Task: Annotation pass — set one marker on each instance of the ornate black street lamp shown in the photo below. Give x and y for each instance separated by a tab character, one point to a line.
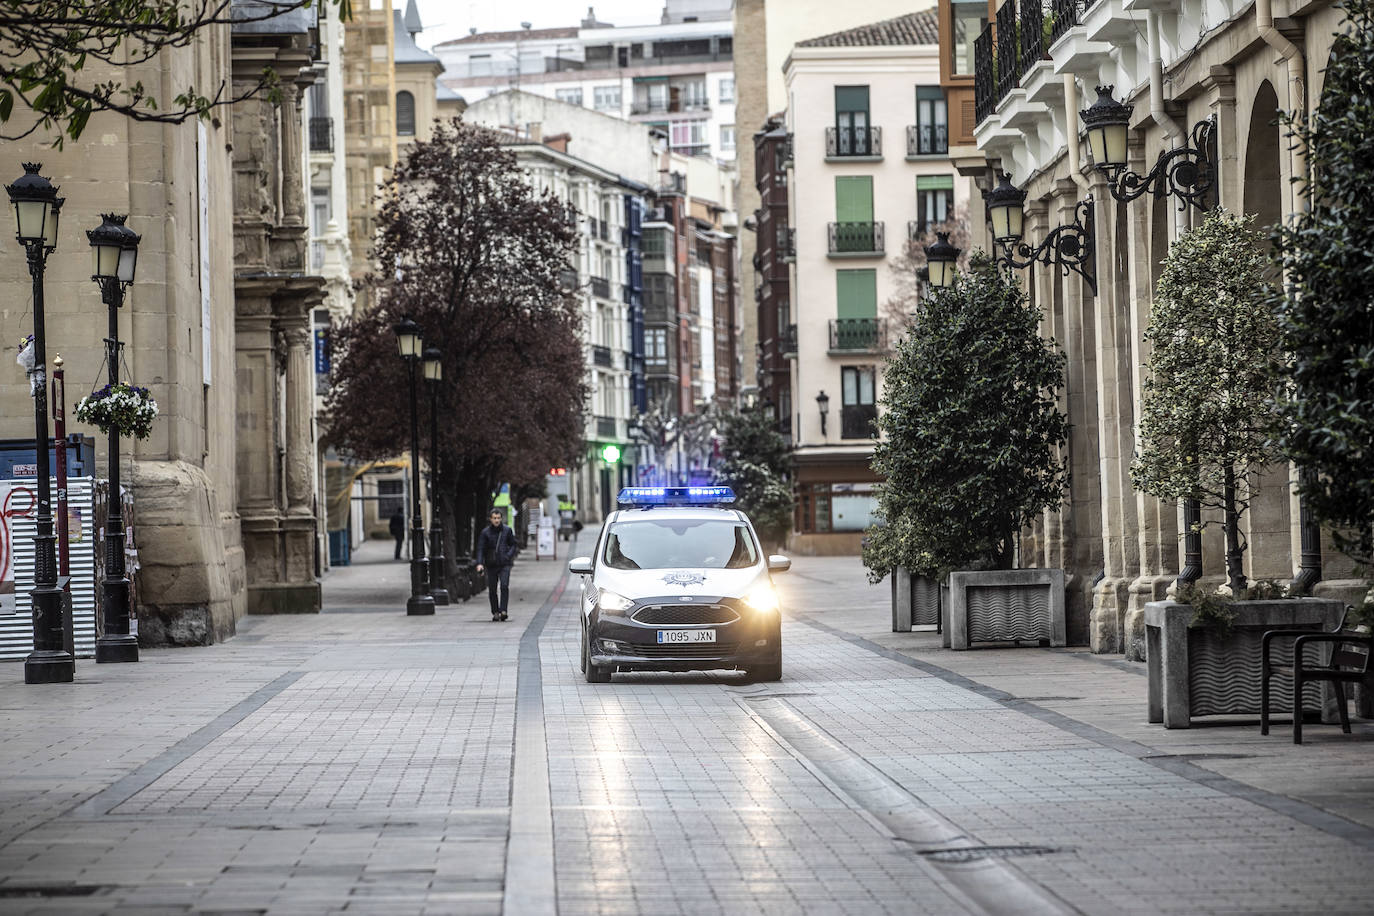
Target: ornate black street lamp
823	403
1187	172
410	343
1068	247
941	260
115	248
434	374
36	208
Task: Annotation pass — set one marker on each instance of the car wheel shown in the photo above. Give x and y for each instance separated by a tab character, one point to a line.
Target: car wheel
595	674
769	672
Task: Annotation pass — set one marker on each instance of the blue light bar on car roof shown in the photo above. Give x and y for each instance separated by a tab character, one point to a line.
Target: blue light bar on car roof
675	496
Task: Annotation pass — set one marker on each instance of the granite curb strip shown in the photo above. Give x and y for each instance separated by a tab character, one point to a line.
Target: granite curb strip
1302	812
531	883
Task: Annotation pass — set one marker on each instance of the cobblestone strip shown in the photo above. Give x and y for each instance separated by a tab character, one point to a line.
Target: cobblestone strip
1308	815
121	791
986	885
531	886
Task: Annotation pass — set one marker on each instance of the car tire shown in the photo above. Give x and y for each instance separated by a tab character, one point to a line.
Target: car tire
595	674
769	672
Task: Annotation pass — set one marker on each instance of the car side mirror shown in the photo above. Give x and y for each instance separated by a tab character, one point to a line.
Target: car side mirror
580	566
779	563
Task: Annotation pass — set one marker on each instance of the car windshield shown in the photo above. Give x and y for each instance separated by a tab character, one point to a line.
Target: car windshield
673	543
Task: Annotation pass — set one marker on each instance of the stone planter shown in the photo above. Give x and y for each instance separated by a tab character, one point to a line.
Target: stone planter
1006	606
1208	671
915	602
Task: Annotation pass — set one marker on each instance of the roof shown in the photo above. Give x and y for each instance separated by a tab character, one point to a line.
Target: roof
911	29
516	35
443	93
406	51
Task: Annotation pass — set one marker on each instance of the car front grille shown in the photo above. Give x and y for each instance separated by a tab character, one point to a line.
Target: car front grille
685	615
683	650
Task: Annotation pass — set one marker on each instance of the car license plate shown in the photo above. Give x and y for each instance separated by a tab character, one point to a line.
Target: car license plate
668	637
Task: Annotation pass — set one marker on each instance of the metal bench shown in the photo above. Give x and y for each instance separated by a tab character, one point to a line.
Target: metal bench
1349	661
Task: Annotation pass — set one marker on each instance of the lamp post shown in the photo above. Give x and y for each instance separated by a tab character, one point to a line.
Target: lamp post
1188	172
434	374
36	208
823	403
1068	247
115	249
941	259
410	343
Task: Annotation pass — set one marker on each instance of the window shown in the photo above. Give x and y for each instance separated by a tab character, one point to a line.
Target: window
851	121
856	294
678	544
727	137
405	114
651	95
934	200
390	497
606	98
932	122
569	96
691	95
970	17
479	65
858	408
688	137
655	243
656	347
727	91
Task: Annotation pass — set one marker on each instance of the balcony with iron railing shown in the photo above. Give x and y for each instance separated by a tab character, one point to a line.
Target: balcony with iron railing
853	143
927	140
601	356
789	250
1008	67
787	342
606	427
857	335
858	421
601	287
854	240
984	84
321	135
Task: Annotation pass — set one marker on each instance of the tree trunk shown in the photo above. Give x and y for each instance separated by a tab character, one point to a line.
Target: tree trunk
1235	570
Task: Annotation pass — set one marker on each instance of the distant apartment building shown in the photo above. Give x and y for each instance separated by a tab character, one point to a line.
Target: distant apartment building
676	76
656	275
774	251
869	176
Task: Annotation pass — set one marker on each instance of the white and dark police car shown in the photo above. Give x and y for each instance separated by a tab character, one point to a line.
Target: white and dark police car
678	582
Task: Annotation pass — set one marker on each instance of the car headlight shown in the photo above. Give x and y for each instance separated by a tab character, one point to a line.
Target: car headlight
611	603
763	599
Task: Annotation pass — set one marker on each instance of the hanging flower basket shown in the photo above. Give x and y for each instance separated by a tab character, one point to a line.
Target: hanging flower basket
125	408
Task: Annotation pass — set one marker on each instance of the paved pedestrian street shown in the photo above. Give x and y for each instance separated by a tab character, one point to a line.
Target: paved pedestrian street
365	761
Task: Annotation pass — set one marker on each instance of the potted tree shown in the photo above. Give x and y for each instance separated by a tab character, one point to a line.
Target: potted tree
972	453
1208	423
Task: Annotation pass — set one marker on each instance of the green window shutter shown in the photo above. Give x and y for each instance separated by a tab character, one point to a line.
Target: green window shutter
854	199
856	293
851	98
935	182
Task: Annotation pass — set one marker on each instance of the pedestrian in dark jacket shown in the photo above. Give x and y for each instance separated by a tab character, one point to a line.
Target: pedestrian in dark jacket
495	554
398	530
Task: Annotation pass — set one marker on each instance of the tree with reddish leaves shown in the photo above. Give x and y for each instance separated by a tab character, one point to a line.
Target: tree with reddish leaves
468	250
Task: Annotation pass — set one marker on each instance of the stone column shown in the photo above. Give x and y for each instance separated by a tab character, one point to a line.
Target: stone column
1082	516
1115	417
299	441
292	156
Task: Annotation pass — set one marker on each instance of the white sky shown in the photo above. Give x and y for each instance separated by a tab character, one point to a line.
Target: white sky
445	19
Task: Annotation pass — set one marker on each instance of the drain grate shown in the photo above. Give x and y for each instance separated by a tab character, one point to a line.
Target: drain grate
776	696
978	853
49	890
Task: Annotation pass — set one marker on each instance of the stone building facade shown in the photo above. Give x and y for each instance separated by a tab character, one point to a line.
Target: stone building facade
275	293
1240	65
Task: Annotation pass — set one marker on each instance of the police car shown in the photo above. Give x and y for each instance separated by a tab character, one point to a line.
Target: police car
678	582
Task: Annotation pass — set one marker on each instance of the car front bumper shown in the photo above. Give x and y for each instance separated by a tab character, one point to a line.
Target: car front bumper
626	643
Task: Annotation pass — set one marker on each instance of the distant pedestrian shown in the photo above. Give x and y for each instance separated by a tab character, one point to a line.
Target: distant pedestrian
495	554
398	530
